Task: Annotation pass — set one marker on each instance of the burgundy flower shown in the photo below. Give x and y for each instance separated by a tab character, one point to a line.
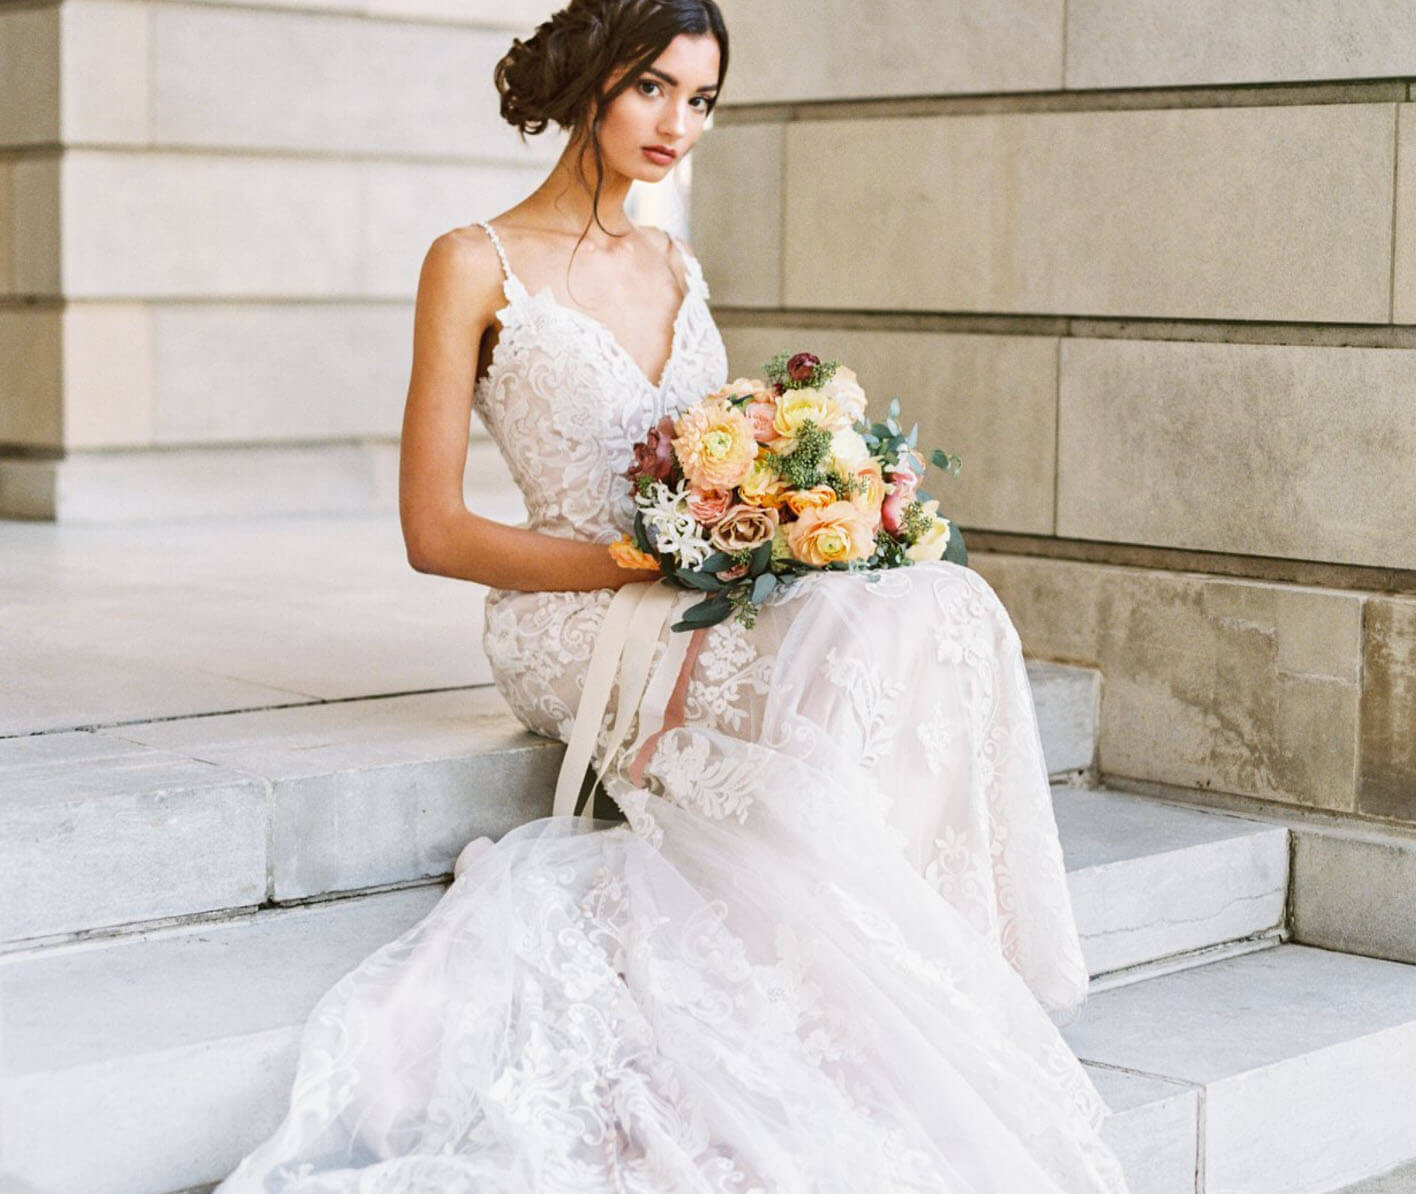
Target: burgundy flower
800	366
654	457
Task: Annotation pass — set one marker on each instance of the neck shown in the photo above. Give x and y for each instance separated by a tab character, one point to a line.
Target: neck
566	199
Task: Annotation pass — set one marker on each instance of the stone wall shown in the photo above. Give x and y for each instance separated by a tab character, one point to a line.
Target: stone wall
212	218
1150	269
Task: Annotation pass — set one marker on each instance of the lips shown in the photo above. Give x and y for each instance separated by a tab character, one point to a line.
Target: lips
661	150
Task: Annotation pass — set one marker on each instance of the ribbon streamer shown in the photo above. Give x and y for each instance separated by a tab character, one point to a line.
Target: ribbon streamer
624	648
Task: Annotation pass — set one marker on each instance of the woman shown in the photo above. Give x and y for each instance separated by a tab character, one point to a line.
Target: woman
825	949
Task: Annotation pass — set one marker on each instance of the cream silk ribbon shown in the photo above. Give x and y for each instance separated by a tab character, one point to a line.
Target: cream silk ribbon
628	634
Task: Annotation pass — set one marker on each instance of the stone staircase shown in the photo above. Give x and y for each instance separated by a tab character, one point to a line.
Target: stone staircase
176	894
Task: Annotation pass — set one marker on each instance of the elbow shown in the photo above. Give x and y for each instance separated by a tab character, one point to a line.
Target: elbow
420	549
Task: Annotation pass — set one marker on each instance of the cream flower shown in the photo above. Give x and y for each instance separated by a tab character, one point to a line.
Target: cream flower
847	392
933	542
714	445
848	449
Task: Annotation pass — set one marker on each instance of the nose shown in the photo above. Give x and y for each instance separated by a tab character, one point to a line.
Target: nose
674	123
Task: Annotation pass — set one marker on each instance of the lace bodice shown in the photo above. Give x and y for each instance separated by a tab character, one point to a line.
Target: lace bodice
565	401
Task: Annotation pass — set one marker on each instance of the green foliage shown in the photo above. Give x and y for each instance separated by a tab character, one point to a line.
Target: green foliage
801	467
775	371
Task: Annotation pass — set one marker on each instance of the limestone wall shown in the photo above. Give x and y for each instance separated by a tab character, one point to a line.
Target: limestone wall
1150	269
212	218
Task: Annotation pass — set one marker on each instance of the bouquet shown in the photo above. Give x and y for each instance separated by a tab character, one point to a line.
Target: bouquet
763	481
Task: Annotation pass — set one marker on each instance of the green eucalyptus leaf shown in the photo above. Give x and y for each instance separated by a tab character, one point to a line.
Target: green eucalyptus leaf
762	586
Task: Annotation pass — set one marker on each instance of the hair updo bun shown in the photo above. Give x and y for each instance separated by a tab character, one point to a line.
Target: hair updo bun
555	74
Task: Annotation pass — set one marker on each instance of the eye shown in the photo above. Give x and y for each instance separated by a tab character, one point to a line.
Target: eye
705	102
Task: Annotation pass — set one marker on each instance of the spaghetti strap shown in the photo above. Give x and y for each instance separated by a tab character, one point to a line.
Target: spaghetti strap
501	252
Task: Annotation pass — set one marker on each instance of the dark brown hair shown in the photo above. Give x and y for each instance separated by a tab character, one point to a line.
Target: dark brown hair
556	74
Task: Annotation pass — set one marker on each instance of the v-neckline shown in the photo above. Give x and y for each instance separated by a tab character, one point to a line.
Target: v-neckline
613	340
598	324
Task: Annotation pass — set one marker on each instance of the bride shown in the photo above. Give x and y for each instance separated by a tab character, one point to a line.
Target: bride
829	945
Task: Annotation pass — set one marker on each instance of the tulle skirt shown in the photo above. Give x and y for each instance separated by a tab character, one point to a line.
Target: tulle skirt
826	951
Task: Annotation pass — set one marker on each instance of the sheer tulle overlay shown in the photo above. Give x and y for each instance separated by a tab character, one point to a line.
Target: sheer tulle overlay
828	949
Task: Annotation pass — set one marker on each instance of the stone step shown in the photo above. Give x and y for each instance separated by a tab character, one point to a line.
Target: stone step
1151	880
1294	1066
123	824
1302	1062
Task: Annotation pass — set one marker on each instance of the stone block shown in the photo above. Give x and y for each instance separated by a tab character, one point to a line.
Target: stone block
737	212
1196	691
787	51
175	225
1153	1128
108	56
1157	43
248	372
990	399
29	75
1273	450
1387	776
1404	281
1151	880
1274	213
196	1029
108	375
1305	1057
1355	890
1066	700
201	483
35	214
7	219
31	377
241	77
95	832
379	791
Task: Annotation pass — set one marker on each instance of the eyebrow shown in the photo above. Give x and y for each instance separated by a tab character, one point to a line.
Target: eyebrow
671	81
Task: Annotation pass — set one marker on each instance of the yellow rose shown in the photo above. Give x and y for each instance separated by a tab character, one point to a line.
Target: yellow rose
797	500
762	486
714	445
830	534
797	406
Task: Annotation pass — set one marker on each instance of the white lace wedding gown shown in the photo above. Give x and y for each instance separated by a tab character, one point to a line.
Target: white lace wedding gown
826	952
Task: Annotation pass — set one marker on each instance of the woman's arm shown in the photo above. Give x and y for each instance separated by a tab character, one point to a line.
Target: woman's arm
459	288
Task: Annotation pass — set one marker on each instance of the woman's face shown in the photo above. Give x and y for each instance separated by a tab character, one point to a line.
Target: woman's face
666	105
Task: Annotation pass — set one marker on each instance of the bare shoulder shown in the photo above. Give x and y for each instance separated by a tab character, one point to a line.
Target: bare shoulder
461	271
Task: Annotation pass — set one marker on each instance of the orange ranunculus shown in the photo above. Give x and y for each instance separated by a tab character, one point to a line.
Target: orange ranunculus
762	486
831	534
714	444
626	555
817	496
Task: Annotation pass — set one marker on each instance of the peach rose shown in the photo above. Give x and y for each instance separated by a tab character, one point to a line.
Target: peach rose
797	500
709	505
761	416
743	527
870	491
831	534
714	444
